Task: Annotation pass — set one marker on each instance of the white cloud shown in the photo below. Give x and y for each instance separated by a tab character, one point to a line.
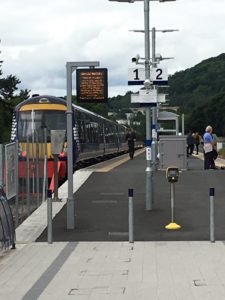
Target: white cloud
38	37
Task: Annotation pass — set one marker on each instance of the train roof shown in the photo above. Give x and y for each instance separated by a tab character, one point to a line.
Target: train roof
41	99
56	100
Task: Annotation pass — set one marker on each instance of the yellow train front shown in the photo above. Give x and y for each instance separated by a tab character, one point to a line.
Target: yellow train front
33	120
32	124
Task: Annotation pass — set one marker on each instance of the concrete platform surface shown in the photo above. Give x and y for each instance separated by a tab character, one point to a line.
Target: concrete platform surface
163	269
114	270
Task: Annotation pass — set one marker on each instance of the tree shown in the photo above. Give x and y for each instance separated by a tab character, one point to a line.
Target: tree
8	99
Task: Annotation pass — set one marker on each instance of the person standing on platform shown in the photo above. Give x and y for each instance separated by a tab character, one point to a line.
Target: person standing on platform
190	143
131	138
208	149
197	141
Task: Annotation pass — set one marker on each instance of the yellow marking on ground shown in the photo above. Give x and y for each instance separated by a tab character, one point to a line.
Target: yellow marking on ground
119	162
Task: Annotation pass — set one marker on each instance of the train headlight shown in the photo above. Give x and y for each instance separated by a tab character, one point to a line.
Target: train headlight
24	154
62	154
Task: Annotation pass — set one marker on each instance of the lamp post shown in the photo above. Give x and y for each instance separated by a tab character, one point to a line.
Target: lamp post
149	170
154	62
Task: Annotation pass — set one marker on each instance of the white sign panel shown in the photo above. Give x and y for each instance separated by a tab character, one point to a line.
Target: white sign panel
148	153
159	76
136	76
145	96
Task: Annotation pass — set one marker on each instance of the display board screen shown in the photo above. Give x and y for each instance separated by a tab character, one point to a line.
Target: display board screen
92	85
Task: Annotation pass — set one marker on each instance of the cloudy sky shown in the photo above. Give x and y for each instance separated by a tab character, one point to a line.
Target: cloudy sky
38	37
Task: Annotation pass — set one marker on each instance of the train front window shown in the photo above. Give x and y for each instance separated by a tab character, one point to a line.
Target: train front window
33	123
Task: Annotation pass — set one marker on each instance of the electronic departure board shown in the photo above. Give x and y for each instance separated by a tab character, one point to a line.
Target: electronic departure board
92	85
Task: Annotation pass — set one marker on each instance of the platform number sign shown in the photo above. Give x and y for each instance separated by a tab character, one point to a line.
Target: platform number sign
136	76
158	76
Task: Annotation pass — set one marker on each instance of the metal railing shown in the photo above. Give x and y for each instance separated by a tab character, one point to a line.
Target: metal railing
23	175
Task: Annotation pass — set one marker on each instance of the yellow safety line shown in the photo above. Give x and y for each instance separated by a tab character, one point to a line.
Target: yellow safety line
119	162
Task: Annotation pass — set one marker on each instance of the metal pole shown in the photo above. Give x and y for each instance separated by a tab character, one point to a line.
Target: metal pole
177	126
1	166
46	157
17	183
70	200
70	67
149	179
211	213
55	177
182	124
131	215
44	179
49	216
172	195
38	171
154	112
28	192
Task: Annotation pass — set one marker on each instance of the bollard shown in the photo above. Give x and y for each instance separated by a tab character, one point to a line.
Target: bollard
211	214
131	215
49	215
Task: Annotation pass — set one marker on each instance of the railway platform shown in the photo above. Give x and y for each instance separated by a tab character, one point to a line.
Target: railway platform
96	261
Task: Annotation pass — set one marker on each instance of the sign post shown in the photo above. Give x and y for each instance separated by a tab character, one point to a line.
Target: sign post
70	67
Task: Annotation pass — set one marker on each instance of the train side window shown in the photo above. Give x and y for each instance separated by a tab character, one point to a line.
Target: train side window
87	129
94	131
101	133
81	127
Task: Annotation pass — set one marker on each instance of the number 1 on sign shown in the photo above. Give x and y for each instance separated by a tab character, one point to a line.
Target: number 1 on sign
136	74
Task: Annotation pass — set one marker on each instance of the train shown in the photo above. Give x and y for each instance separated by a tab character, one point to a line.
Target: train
93	135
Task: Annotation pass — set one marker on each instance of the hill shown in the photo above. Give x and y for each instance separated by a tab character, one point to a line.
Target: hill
197	84
200	93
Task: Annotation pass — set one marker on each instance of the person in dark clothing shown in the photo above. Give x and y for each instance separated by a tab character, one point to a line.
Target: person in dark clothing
131	138
190	143
197	141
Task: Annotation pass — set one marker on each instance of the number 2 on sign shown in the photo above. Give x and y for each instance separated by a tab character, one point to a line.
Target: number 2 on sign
159	74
